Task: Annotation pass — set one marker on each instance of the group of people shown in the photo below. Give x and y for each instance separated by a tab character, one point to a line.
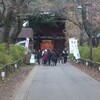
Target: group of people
51	57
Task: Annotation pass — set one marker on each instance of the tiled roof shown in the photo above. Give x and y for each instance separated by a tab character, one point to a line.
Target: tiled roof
26	32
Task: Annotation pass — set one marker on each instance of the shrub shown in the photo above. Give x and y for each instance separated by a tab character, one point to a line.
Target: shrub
96	54
85	51
14	52
4	59
2	47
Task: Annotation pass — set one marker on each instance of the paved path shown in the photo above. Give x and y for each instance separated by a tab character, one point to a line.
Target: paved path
63	82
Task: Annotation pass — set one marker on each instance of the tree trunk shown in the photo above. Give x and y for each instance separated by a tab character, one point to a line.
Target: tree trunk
15	34
7	25
85	21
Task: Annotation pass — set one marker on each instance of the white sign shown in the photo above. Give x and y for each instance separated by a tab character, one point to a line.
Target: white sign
27	43
76	51
74	48
99	68
86	63
71	48
32	60
3	74
15	65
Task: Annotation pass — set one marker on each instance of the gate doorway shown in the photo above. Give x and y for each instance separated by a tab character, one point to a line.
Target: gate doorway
47	44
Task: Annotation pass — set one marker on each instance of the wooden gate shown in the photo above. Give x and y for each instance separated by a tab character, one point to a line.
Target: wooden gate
47	44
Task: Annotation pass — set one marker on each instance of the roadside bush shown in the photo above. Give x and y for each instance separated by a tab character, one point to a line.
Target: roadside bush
4	59
84	51
96	54
2	47
14	52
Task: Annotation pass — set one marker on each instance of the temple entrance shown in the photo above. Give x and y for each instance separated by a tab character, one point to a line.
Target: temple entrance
50	37
47	44
49	31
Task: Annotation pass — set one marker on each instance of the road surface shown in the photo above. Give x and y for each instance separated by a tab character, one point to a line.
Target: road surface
62	82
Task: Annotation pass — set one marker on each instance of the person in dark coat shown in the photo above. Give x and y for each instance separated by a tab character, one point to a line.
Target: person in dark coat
65	54
39	56
54	58
49	57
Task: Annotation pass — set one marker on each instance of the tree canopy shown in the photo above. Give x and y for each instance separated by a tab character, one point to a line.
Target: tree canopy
15	11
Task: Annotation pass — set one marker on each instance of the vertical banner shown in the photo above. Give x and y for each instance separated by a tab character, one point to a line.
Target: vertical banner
27	43
71	45
74	48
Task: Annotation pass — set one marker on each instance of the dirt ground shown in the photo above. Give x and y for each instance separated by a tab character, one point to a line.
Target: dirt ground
90	71
10	85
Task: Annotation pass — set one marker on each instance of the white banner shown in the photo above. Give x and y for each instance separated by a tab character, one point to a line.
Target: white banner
27	43
74	48
71	45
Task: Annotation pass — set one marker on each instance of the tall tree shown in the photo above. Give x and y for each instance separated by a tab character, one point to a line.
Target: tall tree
9	13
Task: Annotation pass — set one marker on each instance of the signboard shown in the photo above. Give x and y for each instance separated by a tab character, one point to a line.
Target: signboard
32	59
27	43
71	45
74	48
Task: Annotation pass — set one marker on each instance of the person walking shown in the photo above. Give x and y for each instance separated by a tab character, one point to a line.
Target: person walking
39	56
65	54
49	57
54	58
45	57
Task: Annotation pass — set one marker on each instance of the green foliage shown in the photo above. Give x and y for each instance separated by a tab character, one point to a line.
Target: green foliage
7	56
96	54
85	51
38	20
4	59
52	22
35	23
2	47
16	52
